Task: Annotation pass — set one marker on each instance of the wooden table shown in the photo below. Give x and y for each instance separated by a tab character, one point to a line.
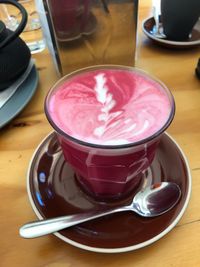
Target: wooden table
18	140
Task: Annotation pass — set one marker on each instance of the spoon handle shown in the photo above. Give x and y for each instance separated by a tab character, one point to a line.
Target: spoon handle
44	227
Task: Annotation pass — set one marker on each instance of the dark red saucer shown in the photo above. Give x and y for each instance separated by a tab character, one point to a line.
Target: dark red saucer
53	191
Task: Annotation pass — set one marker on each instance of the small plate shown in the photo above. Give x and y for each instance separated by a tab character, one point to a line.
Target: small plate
148	25
53	191
19	99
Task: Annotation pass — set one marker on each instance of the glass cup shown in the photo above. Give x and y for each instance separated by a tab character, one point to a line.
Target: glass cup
108	171
32	34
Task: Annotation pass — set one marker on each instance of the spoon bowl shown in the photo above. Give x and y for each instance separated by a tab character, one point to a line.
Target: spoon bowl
149	202
156	199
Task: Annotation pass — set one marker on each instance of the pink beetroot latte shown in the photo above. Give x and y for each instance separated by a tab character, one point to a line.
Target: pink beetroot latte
110	107
109	121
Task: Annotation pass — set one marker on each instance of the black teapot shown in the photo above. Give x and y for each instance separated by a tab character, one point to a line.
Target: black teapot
14	53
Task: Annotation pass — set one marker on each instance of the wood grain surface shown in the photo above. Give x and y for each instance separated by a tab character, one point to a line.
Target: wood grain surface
19	139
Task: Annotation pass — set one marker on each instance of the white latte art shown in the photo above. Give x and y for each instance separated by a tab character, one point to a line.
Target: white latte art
110	107
106	99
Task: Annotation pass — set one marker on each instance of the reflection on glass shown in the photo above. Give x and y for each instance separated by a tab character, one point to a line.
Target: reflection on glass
90	32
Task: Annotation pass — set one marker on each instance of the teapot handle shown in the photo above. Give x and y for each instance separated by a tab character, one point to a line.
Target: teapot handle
21	25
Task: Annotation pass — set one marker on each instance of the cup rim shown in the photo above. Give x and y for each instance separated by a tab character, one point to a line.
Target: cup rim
100	146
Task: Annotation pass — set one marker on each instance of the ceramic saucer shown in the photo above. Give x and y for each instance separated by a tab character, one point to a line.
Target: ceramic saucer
148	25
19	99
53	191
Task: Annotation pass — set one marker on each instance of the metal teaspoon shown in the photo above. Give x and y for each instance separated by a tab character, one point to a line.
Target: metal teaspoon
150	202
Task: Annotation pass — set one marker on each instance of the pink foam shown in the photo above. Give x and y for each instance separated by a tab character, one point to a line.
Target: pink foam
110	107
